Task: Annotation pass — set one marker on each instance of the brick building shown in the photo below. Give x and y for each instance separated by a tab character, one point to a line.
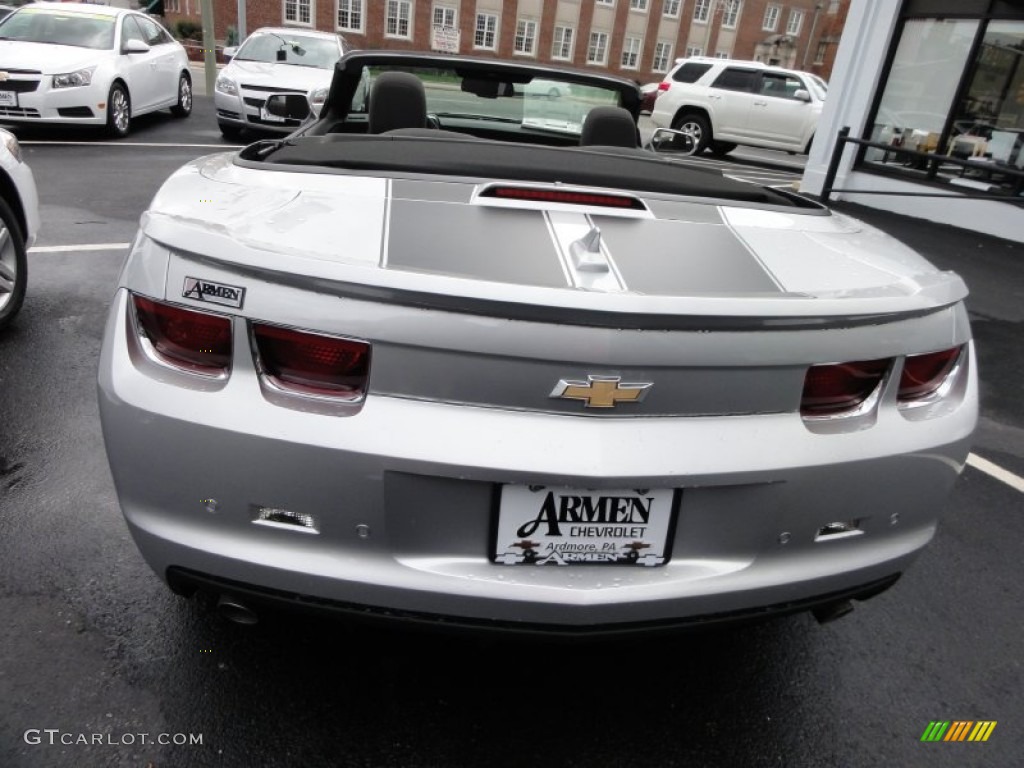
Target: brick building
638	39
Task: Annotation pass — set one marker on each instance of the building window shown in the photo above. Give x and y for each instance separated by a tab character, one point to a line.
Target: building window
597	51
444	16
701	11
172	6
694	50
350	15
638	5
721	54
731	14
397	19
796	20
561	44
672	9
486	31
631	48
662	57
606	2
771	18
298	12
819	56
526	37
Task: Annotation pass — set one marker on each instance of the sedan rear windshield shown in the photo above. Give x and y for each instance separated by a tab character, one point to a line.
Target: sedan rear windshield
42	25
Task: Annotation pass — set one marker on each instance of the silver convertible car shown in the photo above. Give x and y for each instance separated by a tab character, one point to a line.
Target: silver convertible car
456	355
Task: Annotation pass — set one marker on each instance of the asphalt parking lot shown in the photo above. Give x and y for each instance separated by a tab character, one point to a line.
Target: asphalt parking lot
92	643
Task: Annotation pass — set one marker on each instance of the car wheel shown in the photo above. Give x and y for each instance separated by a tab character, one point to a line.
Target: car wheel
720	148
13	265
697	128
119	111
184	106
229	132
807	149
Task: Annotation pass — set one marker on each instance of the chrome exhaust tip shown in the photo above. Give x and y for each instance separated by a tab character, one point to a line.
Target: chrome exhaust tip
235	611
826	613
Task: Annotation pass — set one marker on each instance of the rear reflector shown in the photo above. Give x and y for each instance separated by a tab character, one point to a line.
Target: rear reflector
924	374
567	197
194	341
838	388
310	363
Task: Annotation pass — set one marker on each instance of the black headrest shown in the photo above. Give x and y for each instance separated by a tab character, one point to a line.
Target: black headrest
609	127
397	100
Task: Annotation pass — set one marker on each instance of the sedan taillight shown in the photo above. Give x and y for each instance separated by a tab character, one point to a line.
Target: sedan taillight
837	389
923	375
311	363
197	342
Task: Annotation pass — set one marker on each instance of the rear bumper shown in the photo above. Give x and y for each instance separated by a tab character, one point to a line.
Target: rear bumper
403	495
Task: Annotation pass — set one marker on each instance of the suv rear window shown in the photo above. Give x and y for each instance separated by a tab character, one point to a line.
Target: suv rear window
733	79
690	73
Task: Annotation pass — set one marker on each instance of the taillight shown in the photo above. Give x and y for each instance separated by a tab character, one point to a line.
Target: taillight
311	363
923	375
664	85
195	341
839	388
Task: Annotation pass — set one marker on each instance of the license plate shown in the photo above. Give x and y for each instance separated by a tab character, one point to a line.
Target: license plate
266	117
569	526
8	99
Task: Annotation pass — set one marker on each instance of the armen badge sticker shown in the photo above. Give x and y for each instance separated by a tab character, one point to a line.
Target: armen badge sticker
213	293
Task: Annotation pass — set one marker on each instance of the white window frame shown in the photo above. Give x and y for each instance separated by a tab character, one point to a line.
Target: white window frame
701	11
447	12
353	8
600	40
640	6
521	34
771	18
493	31
722	55
692	51
606	2
397	6
671	9
731	13
821	53
558	42
795	23
632	50
297	6
662	56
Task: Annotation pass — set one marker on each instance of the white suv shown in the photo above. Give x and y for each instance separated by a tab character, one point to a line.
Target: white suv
719	103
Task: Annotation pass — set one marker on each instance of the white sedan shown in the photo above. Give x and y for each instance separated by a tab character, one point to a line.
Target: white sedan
81	64
274	60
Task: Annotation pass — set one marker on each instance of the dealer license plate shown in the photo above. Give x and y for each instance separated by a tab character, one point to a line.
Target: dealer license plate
266	117
569	526
8	99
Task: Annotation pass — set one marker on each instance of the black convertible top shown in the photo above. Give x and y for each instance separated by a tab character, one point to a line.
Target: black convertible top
634	170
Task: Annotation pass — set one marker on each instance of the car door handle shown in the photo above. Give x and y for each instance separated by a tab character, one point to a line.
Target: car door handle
760	103
714	96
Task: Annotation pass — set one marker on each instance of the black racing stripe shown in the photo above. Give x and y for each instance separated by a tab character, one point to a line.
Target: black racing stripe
496	244
672	258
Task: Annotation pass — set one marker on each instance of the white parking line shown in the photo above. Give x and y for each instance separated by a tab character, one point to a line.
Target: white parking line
993	470
91	247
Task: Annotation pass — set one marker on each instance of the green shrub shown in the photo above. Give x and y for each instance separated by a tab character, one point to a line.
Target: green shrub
186	29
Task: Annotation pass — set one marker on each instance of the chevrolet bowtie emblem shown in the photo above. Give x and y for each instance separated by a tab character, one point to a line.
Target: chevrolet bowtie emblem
601	391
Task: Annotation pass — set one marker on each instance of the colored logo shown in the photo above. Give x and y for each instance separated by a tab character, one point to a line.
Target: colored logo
958	730
601	391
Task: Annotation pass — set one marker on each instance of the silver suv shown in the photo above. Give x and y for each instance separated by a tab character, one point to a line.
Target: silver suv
719	103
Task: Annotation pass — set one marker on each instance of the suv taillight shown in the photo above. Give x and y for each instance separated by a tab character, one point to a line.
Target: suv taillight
924	374
197	342
664	85
836	389
312	363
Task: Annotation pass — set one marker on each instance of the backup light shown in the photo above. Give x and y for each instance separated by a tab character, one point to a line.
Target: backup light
197	342
923	375
838	389
312	363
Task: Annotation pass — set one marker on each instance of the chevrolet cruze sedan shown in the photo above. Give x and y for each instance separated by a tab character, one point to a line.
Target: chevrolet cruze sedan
79	64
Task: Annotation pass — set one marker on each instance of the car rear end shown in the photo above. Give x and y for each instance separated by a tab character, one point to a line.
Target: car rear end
453	410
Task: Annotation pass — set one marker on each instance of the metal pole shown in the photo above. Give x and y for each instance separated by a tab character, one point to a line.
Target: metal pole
833	166
810	36
209	46
241	21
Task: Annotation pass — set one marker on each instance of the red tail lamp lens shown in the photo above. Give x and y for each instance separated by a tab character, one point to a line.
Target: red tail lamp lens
664	86
924	374
835	388
313	364
193	340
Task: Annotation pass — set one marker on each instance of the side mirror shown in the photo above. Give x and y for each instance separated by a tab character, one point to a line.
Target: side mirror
229	52
135	46
802	94
287	106
671	139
